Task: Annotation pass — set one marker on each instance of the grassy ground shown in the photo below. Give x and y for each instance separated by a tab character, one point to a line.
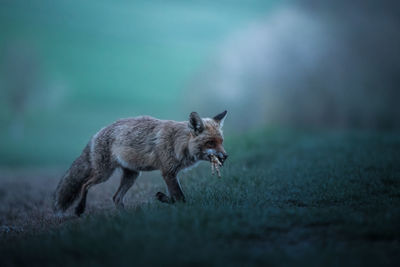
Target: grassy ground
285	198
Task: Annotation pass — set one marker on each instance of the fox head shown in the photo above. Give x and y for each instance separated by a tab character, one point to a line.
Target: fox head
206	136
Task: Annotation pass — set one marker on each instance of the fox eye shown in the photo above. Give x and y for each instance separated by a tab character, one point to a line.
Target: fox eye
210	144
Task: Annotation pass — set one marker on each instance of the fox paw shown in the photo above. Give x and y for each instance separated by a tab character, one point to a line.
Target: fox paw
79	210
163	197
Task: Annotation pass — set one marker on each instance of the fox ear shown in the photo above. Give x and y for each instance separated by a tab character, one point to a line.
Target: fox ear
220	118
196	123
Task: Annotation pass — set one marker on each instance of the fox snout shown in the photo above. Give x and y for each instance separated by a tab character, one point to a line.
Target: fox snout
222	155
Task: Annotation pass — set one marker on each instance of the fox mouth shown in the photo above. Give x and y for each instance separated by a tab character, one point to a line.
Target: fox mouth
220	157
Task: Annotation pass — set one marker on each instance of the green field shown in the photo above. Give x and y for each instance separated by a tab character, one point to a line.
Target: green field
286	198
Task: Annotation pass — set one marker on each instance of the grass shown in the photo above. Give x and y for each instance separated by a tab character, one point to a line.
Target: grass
285	198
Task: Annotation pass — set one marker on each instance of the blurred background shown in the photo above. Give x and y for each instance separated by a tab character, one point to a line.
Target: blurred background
68	68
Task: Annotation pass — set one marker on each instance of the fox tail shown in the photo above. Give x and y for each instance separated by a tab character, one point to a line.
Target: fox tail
69	187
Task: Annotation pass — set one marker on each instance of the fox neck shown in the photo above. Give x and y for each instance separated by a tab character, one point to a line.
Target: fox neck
184	152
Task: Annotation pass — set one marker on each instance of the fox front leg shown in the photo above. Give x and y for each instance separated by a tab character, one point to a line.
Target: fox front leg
174	189
163	198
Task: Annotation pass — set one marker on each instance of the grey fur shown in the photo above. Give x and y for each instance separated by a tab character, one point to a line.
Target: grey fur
140	144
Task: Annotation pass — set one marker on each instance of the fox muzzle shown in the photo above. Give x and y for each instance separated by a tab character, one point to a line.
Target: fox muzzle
222	156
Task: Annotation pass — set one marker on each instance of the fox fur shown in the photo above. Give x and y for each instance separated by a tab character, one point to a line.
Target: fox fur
141	144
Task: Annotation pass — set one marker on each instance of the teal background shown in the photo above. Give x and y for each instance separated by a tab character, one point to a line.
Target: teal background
97	61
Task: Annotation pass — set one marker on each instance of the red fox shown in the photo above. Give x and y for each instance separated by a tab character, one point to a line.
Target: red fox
141	144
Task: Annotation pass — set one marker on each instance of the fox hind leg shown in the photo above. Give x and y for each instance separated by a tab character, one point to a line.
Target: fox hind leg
127	180
80	208
93	180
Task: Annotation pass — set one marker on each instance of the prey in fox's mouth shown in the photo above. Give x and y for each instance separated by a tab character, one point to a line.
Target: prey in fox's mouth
215	164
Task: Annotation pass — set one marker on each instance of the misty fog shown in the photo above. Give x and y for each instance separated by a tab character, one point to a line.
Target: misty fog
309	63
